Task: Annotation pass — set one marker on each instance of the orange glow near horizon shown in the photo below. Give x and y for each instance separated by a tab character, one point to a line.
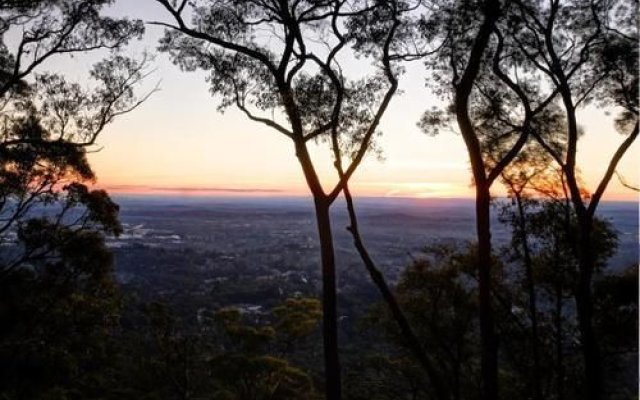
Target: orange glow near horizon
403	190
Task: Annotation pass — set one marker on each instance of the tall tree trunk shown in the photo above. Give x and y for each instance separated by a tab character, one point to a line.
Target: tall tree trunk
567	235
531	289
584	304
487	325
463	89
322	204
559	347
333	387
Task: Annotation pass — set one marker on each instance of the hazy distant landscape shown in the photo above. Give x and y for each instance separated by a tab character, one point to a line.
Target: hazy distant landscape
206	252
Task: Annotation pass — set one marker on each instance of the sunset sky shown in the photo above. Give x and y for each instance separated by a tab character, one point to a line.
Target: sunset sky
177	141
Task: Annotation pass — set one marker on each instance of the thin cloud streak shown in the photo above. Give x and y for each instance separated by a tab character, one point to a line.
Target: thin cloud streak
142	188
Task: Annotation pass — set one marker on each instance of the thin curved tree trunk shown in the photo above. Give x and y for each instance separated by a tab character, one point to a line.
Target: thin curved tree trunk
531	289
409	336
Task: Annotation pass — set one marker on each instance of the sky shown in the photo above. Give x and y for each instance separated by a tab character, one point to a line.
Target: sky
177	142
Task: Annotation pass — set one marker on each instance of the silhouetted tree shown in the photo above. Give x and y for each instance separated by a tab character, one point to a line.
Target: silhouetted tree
469	74
543	239
47	28
47	122
441	300
367	29
551	226
537	250
587	53
438	293
420	348
520	239
56	313
264	57
58	301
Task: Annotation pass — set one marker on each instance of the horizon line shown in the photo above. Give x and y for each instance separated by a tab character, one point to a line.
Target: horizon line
252	192
285	195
